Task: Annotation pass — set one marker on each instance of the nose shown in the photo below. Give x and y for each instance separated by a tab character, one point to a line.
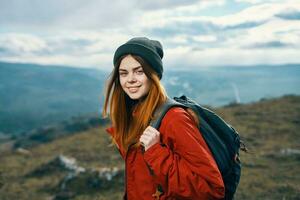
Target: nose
131	77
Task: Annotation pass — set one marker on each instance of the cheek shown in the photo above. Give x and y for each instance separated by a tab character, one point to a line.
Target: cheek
147	84
122	82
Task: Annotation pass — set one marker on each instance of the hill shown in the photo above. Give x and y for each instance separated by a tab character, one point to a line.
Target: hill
32	95
271	170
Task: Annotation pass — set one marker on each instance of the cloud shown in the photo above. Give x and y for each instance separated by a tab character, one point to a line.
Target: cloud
191	59
205	38
184	28
165	23
243	38
245	25
158	5
289	15
256	1
271	44
55	15
273	34
198	27
75	14
33	12
18	44
86	33
83	49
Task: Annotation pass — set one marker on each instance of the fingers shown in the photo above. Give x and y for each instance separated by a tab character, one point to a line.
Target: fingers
149	137
146	139
150	131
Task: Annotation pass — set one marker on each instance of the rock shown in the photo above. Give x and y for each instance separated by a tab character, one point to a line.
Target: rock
79	180
91	180
285	153
289	152
107	173
59	164
70	164
23	151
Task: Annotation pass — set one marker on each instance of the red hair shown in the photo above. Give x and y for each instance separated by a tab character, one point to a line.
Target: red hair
129	126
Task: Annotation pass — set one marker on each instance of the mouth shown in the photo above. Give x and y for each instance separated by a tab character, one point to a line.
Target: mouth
133	89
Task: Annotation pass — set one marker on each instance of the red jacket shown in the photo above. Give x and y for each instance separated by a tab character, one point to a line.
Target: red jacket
181	164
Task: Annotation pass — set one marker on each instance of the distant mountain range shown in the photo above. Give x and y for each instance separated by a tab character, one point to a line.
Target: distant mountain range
218	86
33	96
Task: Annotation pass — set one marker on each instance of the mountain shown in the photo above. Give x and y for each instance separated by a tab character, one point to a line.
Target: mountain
219	86
32	96
85	165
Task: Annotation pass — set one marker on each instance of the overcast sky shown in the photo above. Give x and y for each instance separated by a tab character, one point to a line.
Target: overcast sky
85	33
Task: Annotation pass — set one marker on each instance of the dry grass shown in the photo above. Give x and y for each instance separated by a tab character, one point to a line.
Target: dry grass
267	127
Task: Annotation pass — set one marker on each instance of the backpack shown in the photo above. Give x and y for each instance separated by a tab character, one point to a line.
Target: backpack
222	139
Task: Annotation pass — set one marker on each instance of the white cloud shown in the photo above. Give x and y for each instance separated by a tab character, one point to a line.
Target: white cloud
100	61
275	41
83	49
158	5
274	30
259	13
176	40
163	17
21	43
189	58
205	38
54	15
87	33
257	1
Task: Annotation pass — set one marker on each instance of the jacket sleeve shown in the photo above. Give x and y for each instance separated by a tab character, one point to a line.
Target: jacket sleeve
184	160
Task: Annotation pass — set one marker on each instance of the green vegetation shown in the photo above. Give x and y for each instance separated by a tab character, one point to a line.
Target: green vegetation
270	129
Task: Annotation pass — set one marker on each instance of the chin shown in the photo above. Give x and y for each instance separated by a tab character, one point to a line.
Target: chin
134	97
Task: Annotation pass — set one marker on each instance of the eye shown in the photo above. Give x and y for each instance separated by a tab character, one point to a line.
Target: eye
140	72
123	74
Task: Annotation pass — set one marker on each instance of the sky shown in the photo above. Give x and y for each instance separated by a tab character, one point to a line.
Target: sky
194	34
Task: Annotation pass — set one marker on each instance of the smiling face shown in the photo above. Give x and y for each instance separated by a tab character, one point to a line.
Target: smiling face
133	80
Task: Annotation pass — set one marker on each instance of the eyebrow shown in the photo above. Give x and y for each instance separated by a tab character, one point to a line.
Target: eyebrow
120	69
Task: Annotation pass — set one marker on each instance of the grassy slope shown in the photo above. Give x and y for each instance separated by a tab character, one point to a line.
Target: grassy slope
267	127
91	149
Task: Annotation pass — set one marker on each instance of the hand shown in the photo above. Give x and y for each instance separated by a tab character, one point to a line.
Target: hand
149	137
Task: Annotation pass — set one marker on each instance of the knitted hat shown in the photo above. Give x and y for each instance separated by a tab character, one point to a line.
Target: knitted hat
150	50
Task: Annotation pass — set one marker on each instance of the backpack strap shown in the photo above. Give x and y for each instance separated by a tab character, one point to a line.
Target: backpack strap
161	111
182	102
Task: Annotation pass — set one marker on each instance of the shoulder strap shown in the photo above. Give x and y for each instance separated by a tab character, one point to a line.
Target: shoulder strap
161	111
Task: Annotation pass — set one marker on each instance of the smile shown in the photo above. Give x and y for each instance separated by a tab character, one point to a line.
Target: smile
133	89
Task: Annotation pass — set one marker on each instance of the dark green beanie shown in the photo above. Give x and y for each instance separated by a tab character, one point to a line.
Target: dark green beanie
150	50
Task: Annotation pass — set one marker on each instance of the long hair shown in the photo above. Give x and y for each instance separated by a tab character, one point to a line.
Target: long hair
131	117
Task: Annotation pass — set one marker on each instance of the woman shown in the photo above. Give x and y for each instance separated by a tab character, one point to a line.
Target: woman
173	162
